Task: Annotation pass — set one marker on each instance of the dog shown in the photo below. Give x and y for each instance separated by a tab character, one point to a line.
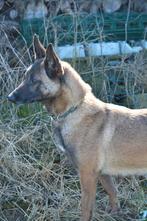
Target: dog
102	139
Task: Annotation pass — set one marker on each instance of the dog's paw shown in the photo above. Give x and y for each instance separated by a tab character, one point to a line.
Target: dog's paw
113	210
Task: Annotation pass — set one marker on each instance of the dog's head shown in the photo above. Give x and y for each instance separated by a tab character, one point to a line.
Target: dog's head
42	79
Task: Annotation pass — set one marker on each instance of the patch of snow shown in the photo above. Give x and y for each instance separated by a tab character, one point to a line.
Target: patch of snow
144	44
98	49
71	51
104	48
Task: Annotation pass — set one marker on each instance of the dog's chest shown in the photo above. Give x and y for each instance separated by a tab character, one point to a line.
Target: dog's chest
60	133
62	140
58	139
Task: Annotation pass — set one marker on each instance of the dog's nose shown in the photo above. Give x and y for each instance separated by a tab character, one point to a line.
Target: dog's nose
11	97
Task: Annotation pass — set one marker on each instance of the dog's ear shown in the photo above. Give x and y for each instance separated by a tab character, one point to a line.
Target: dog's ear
39	50
52	63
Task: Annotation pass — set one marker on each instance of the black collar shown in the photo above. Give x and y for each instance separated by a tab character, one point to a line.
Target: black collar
69	111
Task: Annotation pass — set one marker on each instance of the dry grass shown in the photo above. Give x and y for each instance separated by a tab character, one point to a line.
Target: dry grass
37	182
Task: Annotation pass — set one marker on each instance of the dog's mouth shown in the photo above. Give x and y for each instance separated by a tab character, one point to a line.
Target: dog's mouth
12	99
18	102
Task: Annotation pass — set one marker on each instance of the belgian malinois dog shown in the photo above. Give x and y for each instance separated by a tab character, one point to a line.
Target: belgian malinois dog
101	139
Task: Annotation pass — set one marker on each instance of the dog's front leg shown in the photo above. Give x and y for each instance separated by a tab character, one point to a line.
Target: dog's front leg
88	189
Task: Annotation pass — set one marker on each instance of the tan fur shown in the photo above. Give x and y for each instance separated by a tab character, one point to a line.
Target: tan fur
112	124
101	139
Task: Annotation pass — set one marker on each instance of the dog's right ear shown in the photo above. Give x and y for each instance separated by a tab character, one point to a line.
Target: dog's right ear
52	63
39	50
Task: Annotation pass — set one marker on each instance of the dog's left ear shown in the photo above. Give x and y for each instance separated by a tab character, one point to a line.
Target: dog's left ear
52	63
39	50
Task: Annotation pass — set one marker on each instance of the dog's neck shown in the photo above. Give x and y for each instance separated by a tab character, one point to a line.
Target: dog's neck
64	102
72	92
